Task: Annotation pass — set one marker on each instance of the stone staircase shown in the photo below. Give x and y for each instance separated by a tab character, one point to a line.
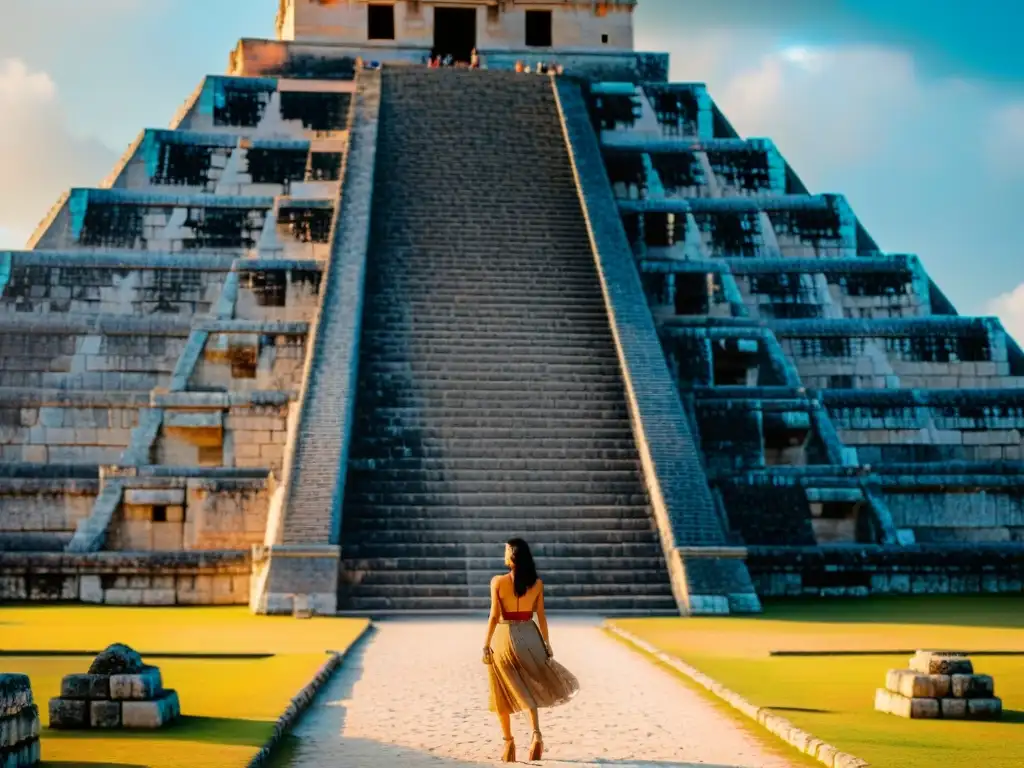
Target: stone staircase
490	399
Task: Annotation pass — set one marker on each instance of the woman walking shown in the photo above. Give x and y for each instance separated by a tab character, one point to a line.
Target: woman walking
523	673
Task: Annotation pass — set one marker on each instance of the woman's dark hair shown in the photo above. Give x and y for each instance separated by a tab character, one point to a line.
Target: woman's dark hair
524	570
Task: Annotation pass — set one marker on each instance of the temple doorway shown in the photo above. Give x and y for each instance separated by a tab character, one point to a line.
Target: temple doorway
454	32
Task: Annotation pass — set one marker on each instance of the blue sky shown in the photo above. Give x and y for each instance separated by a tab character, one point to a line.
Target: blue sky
912	108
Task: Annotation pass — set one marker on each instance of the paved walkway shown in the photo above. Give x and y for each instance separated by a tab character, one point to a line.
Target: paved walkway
413	695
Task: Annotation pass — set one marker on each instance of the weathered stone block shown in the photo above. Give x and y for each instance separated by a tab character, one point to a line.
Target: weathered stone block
90	589
915	685
973	686
21	756
984	709
941	663
117	659
19	728
105	714
150	497
151	714
903	706
69	713
954	709
143	685
15	694
85	687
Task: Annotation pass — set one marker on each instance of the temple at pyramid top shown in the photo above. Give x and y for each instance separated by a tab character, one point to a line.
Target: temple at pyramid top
323	39
456	28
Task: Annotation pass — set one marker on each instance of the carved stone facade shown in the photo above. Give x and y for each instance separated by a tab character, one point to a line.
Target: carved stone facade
223	380
488	25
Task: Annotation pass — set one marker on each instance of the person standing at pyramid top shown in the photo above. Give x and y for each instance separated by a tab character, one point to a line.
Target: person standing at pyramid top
522	671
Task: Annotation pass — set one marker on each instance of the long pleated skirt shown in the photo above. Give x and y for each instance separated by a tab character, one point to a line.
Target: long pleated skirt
522	677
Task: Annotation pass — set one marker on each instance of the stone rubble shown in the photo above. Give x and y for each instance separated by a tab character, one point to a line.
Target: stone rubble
19	723
939	684
118	691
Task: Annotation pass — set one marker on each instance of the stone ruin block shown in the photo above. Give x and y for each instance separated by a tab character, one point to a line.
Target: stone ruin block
19	723
136	687
939	684
104	714
119	691
915	685
85	687
903	706
154	713
941	663
973	686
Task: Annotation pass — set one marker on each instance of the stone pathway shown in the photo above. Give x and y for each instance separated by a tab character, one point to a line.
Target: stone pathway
413	695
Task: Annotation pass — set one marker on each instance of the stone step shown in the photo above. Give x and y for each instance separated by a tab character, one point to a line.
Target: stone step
356	550
582	479
525	418
463	268
481	578
362	520
493	562
471	269
425	304
401	385
541	513
629	589
485	290
509	400
620	446
660	605
497	355
416	538
592	343
491	464
509	370
419	435
383	483
525	317
596	332
495	497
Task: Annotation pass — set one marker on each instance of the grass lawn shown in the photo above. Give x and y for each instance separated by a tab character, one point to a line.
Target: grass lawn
833	696
229	705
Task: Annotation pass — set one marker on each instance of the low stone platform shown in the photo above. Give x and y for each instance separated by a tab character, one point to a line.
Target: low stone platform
119	691
19	723
939	685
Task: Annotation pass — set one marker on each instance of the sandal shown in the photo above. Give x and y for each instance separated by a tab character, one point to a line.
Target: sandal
536	746
509	756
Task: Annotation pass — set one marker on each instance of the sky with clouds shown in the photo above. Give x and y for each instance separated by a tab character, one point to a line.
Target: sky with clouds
912	108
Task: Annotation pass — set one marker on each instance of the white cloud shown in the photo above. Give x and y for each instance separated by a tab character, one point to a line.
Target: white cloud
10	240
1009	307
39	155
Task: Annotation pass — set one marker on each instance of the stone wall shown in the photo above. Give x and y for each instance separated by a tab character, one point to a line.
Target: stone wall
974	515
270	107
575	25
115	578
41	514
111	285
863	570
172	515
245	362
42	434
162	222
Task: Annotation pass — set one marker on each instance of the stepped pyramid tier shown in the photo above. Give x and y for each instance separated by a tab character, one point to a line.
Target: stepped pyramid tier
352	321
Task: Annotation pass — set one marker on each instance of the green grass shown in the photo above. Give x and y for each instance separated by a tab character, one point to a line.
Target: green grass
229	706
833	696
